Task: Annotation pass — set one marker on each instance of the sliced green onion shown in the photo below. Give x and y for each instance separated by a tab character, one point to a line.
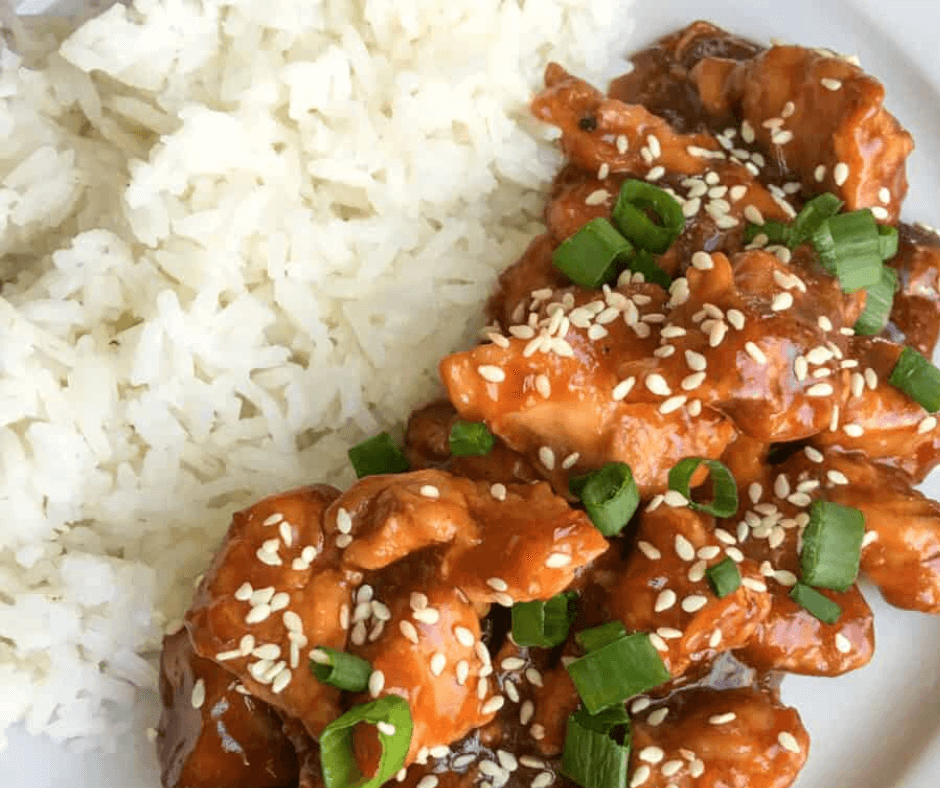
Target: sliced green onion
849	247
822	607
878	302
589	257
377	455
888	241
813	214
340	669
644	263
725	503
598	637
917	378
832	545
336	743
630	216
594	758
543	624
724	578
621	669
775	232
610	496
604	721
470	439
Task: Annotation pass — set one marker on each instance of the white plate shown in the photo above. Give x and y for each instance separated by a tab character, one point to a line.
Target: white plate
878	727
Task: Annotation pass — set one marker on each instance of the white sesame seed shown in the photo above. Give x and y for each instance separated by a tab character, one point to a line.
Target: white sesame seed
376	683
656	717
464	636
491	374
694	603
596	197
788	741
837	477
675	499
881	214
623	144
640	705
463	672
603	171
669	633
843	644
258	614
722	719
270	651
343	541
543	386
830	84
279	602
428	781
623	388
717	333
649	550
482	652
198	696
269	558
498	491
714	639
927	424
820	390
869	538
408	630
507	760
658	643
547	458
657	385
429	615
557	560
669	768
640	775
684	548
596	332
840	173
673	404
534	677
781	301
734	554
526	711
438	663
497	584
542	780
571	460
504	599
243	592
755	352
273	519
493	705
656	173
651	754
753	585
703	261
665	600
281	681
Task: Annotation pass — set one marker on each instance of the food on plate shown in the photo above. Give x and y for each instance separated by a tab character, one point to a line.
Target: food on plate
699	412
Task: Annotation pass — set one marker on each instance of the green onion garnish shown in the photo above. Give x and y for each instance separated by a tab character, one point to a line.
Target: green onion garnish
724	578
470	439
621	669
878	302
723	484
849	247
917	378
597	749
336	751
636	198
598	637
340	669
644	263
832	545
888	241
775	232
377	455
543	624
589	257
822	607
610	496
813	214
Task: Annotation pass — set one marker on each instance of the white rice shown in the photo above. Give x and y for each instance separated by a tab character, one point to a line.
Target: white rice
236	238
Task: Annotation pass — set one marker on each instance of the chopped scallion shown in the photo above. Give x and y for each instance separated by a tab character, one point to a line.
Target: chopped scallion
725	489
617	671
377	455
610	496
644	263
589	257
598	637
595	757
820	606
849	247
470	439
879	298
832	545
340	669
724	578
774	232
339	766
630	214
543	624
813	214
917	378
888	241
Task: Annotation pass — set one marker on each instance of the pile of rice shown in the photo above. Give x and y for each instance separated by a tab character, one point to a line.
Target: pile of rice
235	239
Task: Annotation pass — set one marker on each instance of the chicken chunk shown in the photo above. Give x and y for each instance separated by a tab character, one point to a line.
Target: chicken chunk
662	589
713	739
213	734
275	588
915	313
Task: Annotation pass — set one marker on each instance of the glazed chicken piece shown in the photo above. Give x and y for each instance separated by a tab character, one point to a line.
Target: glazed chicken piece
560	393
662	589
427	445
879	419
901	551
916	310
821	117
713	739
274	590
213	734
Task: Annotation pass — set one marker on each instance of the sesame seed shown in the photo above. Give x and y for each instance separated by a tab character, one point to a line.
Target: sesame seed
651	754
665	600
697	572
840	173
418	601
267	557
843	644
429	491
258	614
723	536
198	696
753	585
830	84
820	390
703	261
507	760
781	302
376	683
675	499
279	602
493	705
927	424
788	741
640	775
547	458
491	374
696	768
497	584
542	780
820	173
717	333
656	717
753	215
755	352
673	404
694	603
408	630
881	214
504	599
837	477
522	332
649	550
596	197
736	318
358	635
664	351
269	651
463	672
464	636
684	548
657	385
715	639
438	663
623	144
596	332
869	538
534	677
658	643
537	732
853	430
428	781
243	592
603	171
640	705
273	519
734	554
722	719
557	560
656	173
428	615
281	681
669	768
669	633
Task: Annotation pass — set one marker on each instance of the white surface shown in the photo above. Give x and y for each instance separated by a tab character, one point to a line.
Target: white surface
878	727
